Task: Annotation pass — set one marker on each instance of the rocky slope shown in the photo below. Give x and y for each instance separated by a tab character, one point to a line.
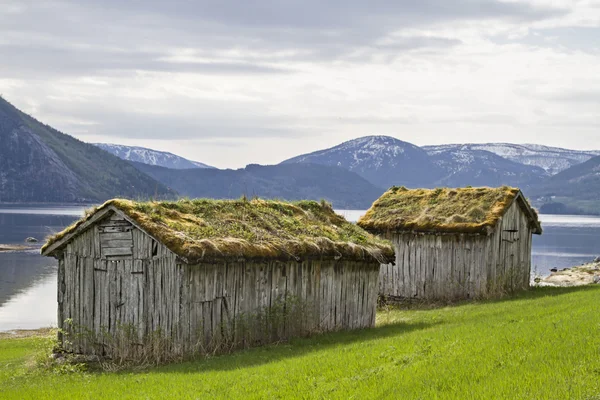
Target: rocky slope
483	168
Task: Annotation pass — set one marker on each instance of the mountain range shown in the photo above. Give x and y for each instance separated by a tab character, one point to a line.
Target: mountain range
483	168
41	164
386	161
150	157
342	188
552	159
382	160
561	179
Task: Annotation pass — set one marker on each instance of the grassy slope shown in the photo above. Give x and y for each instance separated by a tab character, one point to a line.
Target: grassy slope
544	344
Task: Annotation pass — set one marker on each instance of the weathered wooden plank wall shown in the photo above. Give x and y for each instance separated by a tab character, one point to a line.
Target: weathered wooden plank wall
323	295
430	266
145	290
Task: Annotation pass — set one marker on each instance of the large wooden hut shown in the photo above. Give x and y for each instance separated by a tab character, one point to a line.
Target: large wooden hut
178	278
454	243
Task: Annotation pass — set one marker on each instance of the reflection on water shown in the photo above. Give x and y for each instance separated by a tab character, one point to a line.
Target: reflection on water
21	270
32	308
28	280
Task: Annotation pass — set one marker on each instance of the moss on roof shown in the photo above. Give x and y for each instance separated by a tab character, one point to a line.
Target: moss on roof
208	230
444	210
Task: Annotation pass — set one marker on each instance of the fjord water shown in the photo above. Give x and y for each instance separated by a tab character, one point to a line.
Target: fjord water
28	280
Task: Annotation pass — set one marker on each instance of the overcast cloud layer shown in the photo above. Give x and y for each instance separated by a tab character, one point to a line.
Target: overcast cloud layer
234	82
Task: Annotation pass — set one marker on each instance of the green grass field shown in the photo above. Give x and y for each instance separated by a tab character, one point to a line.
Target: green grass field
543	344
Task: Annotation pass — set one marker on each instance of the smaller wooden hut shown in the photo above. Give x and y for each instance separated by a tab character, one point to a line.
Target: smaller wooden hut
161	279
454	243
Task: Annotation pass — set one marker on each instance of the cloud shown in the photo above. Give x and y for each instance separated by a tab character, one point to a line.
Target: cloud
21	62
577	96
230	82
134	35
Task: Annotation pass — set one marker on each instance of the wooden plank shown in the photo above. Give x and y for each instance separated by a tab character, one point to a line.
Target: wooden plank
115	229
418	269
110	223
117	251
113	216
400	268
90	297
106	244
60	294
116	236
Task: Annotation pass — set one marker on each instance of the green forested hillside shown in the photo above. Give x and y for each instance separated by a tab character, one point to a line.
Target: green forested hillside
41	164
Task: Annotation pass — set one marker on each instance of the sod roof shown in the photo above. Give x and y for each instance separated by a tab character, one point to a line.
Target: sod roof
443	210
211	230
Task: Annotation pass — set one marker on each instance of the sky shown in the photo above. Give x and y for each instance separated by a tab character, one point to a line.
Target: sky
230	83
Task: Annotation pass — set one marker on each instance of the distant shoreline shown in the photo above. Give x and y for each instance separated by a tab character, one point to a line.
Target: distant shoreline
15	247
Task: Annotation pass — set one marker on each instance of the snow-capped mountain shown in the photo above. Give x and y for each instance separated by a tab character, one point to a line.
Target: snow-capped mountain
483	168
151	157
552	159
384	161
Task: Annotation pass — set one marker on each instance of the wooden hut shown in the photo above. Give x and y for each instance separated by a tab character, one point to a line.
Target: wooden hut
178	278
454	243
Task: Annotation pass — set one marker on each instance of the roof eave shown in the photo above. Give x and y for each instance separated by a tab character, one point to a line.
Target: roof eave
51	250
531	213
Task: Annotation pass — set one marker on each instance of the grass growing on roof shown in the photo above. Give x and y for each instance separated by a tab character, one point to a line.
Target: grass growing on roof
205	230
464	210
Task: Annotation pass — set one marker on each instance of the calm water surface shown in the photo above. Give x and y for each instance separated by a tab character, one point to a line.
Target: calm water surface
28	280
